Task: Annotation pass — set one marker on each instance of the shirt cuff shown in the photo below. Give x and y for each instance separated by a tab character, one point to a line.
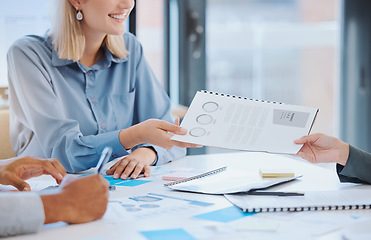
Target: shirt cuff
351	171
105	139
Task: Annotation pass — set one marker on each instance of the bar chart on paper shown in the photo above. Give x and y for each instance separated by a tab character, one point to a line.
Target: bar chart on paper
153	205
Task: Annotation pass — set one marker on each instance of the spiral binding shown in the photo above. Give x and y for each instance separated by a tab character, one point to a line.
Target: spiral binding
239	97
300	209
196	177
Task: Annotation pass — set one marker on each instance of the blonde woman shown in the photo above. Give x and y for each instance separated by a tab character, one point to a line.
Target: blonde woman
87	85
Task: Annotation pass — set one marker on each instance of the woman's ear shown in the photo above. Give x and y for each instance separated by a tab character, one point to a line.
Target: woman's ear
75	4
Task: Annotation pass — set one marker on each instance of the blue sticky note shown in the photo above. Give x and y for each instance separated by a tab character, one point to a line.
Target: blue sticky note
168	234
126	183
224	215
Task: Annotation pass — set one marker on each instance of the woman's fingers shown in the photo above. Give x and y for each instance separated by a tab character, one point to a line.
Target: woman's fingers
177	121
119	169
168	127
137	170
146	171
186	145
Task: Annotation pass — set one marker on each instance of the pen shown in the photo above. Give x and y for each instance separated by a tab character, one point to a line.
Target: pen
280	194
104	157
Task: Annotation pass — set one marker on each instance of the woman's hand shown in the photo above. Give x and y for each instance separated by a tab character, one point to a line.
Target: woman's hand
156	132
320	148
134	164
15	170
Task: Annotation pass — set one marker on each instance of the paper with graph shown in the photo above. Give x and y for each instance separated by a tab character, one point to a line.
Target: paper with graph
231	122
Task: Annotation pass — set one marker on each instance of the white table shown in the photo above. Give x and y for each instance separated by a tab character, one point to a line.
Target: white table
119	223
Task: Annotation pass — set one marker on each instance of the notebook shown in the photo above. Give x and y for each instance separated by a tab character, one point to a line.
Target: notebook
223	181
311	201
226	121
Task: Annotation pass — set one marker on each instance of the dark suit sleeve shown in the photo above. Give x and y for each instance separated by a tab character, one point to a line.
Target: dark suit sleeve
357	168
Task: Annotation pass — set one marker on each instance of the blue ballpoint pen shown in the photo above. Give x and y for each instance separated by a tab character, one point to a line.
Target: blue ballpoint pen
105	156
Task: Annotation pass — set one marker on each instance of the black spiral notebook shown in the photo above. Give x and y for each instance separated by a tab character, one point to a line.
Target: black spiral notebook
226	121
311	201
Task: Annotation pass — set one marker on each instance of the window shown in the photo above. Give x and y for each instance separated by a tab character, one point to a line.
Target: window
19	18
278	50
150	32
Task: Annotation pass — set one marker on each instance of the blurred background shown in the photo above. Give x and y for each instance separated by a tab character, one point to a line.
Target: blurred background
303	52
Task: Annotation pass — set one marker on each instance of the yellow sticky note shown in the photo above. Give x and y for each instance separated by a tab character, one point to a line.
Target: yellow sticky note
276	173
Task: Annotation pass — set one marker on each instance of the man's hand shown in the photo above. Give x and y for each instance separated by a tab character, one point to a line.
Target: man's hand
15	170
80	200
320	148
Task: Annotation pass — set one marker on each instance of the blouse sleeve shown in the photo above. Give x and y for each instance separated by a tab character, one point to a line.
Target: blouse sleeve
153	102
36	105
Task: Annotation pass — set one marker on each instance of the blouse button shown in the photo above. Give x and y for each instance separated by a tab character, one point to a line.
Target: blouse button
103	126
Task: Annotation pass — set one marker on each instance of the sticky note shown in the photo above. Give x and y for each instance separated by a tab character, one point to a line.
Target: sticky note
276	173
125	183
224	215
168	234
172	178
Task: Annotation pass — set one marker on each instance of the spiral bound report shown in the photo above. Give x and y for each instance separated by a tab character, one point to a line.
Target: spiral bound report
239	97
196	177
232	122
311	201
223	181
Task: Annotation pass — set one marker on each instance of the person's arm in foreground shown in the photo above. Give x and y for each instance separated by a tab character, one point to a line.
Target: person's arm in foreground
79	201
353	165
82	200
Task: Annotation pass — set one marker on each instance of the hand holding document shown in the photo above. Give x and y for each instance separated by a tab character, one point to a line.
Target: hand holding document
231	122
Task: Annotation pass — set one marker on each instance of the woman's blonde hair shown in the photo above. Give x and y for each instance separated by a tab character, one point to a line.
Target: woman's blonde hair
69	40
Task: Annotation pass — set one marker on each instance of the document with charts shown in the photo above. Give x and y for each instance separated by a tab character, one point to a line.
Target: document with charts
225	121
